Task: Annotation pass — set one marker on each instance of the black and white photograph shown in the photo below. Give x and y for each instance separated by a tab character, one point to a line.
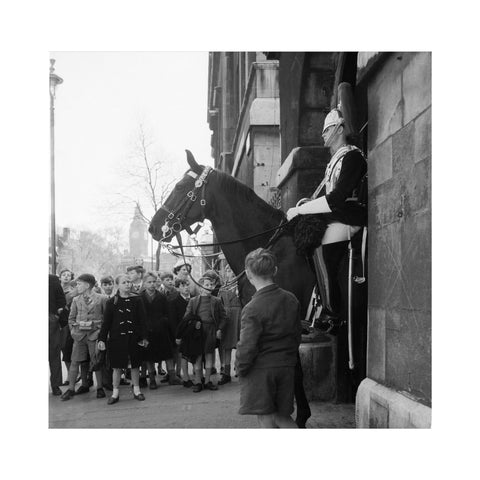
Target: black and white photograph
255	216
244	244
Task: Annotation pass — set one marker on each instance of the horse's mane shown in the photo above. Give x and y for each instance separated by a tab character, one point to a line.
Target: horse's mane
241	191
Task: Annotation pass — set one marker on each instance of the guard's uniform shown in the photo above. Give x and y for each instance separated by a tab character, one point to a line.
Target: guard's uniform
339	186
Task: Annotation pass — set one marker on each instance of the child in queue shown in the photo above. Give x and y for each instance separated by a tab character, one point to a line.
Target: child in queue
124	335
212	314
176	312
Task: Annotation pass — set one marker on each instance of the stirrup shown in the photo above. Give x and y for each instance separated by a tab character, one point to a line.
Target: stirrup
328	323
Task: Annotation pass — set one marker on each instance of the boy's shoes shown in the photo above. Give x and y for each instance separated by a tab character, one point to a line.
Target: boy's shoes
188	384
124	382
225	379
82	389
197	388
100	393
210	386
56	391
67	395
140	396
143	381
112	400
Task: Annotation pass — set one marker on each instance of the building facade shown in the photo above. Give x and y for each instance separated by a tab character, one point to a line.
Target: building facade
266	111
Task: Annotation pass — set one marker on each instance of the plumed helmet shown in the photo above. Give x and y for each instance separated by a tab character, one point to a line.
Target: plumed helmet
333	118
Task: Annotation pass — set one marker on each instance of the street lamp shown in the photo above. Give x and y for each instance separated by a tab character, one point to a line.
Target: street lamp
54	81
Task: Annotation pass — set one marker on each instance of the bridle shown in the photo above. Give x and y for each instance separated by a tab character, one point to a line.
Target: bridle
185	205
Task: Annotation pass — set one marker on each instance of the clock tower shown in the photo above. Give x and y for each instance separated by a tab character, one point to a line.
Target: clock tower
138	236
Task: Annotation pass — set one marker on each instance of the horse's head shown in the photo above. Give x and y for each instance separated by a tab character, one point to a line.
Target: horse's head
184	205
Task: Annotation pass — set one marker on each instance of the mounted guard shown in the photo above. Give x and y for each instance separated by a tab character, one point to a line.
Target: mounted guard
338	205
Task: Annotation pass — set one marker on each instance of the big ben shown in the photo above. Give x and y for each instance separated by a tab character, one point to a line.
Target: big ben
138	236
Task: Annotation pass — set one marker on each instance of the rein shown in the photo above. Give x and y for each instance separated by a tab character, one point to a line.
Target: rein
232	282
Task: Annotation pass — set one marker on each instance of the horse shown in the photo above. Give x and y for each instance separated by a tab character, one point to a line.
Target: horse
237	213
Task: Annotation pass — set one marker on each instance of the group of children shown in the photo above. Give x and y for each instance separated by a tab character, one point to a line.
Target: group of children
143	323
121	328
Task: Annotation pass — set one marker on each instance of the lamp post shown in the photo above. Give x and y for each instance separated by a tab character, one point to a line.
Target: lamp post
54	81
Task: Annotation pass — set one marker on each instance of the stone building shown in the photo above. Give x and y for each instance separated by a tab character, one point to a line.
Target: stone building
244	115
393	101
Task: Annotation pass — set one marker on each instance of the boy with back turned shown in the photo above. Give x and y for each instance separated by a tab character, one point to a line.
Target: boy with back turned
267	351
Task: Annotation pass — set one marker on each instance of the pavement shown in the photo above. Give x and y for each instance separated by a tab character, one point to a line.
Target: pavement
174	406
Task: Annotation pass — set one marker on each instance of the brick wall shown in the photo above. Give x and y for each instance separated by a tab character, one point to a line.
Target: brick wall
399	156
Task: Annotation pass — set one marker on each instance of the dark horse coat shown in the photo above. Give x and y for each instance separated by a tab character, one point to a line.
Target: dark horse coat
124	325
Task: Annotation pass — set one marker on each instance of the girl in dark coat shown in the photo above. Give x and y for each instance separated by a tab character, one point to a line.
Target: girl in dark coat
161	337
124	325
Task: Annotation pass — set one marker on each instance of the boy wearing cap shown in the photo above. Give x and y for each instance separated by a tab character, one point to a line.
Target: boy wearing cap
85	320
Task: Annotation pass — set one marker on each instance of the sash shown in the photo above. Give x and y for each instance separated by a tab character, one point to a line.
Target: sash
334	166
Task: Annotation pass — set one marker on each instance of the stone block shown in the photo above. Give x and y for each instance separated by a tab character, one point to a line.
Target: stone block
420	416
380	164
385	103
266	79
399	417
265	111
310	129
403	150
376	344
378	415
419	186
386	204
384	264
417	85
416	263
317	90
320	60
423	136
408	355
378	406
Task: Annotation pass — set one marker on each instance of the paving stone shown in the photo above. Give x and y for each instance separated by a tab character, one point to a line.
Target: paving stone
178	407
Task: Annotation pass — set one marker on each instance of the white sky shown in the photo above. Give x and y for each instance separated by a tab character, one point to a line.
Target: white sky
99	106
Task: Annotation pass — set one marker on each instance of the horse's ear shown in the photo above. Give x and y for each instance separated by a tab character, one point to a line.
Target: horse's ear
193	163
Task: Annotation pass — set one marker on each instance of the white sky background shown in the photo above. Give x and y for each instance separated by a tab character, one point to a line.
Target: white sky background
99	106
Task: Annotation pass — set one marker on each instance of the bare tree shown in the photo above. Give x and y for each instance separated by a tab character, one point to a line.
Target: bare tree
148	177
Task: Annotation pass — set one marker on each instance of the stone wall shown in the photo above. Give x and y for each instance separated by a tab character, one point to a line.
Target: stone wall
399	156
